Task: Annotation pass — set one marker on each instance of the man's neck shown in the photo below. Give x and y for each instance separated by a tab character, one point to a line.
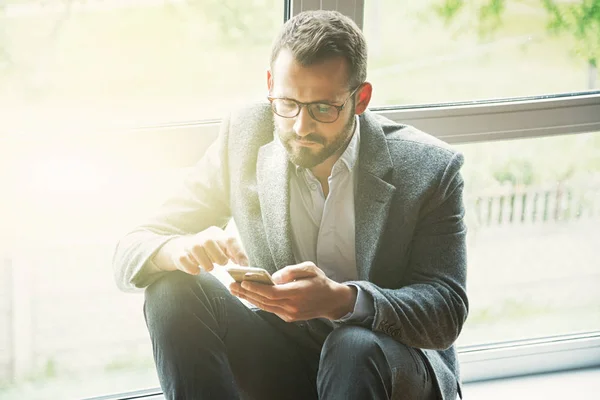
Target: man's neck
323	171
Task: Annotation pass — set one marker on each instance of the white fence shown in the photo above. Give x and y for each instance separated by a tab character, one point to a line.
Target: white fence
531	205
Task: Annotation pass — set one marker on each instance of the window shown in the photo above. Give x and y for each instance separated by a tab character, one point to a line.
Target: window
531	203
415	57
131	63
70	74
479	89
533	213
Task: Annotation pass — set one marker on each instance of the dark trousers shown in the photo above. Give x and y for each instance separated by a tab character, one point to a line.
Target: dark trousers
208	345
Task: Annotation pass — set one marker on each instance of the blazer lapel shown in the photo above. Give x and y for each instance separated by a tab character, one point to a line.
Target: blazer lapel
373	194
274	196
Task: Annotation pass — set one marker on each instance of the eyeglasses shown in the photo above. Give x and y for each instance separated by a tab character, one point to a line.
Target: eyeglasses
321	112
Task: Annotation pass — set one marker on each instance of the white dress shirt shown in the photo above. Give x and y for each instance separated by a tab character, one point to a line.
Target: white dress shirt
323	229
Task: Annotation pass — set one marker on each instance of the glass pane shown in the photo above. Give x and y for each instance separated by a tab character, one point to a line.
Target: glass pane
72	333
415	58
65	329
97	63
533	214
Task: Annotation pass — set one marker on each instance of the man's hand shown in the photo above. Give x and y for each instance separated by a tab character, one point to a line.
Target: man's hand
202	250
301	292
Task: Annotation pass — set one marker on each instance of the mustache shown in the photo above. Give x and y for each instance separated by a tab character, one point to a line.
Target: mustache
311	137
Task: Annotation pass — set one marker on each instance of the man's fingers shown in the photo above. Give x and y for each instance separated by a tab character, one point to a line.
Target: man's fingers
237	290
257	299
215	253
283	291
284	308
294	272
242	259
235	252
187	264
269	298
258	291
199	254
268	291
266	307
269	307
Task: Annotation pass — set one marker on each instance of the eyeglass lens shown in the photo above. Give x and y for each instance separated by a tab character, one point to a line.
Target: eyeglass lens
320	111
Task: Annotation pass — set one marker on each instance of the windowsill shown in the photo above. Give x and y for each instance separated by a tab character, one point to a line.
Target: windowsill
554	386
551	386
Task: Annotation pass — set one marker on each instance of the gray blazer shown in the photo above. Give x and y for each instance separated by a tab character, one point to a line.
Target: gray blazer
410	233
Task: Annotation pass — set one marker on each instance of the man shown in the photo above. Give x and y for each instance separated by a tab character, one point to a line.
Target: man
359	219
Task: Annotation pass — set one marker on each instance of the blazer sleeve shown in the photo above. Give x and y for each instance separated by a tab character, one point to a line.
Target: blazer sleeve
203	201
430	310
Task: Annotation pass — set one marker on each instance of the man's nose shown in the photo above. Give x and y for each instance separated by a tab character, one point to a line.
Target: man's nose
304	123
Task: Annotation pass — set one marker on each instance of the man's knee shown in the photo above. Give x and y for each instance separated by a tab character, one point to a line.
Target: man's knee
356	351
353	344
170	300
170	285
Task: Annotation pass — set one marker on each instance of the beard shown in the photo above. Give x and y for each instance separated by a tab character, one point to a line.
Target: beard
309	157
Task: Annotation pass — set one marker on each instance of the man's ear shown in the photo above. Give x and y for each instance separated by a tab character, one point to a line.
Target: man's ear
364	97
269	80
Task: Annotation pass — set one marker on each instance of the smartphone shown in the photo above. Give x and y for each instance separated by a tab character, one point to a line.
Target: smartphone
253	274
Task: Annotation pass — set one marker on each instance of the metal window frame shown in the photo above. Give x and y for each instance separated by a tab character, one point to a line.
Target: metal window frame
505	119
454	123
527	357
480	363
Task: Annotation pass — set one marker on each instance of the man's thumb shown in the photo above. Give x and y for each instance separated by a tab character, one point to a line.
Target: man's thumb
294	272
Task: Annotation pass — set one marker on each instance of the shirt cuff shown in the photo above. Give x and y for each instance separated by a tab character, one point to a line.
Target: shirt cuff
364	309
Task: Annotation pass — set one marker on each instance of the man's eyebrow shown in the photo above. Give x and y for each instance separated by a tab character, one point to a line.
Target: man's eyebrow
310	102
324	101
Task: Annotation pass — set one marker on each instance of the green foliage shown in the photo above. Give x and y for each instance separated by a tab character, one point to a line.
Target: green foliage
579	20
448	9
490	15
237	19
488	12
516	171
50	369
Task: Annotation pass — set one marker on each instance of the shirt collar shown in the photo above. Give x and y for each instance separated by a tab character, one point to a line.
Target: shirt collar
350	155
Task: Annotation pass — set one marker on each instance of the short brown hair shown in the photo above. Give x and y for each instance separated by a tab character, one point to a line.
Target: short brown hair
316	36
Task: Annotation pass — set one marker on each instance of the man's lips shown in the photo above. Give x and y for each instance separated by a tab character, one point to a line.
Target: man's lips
306	142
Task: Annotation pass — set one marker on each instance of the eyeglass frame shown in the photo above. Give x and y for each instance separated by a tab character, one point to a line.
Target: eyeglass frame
300	105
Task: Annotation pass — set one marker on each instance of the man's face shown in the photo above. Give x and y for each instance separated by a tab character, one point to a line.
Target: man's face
307	141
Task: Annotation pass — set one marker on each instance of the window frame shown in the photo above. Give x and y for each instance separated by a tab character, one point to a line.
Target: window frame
455	123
